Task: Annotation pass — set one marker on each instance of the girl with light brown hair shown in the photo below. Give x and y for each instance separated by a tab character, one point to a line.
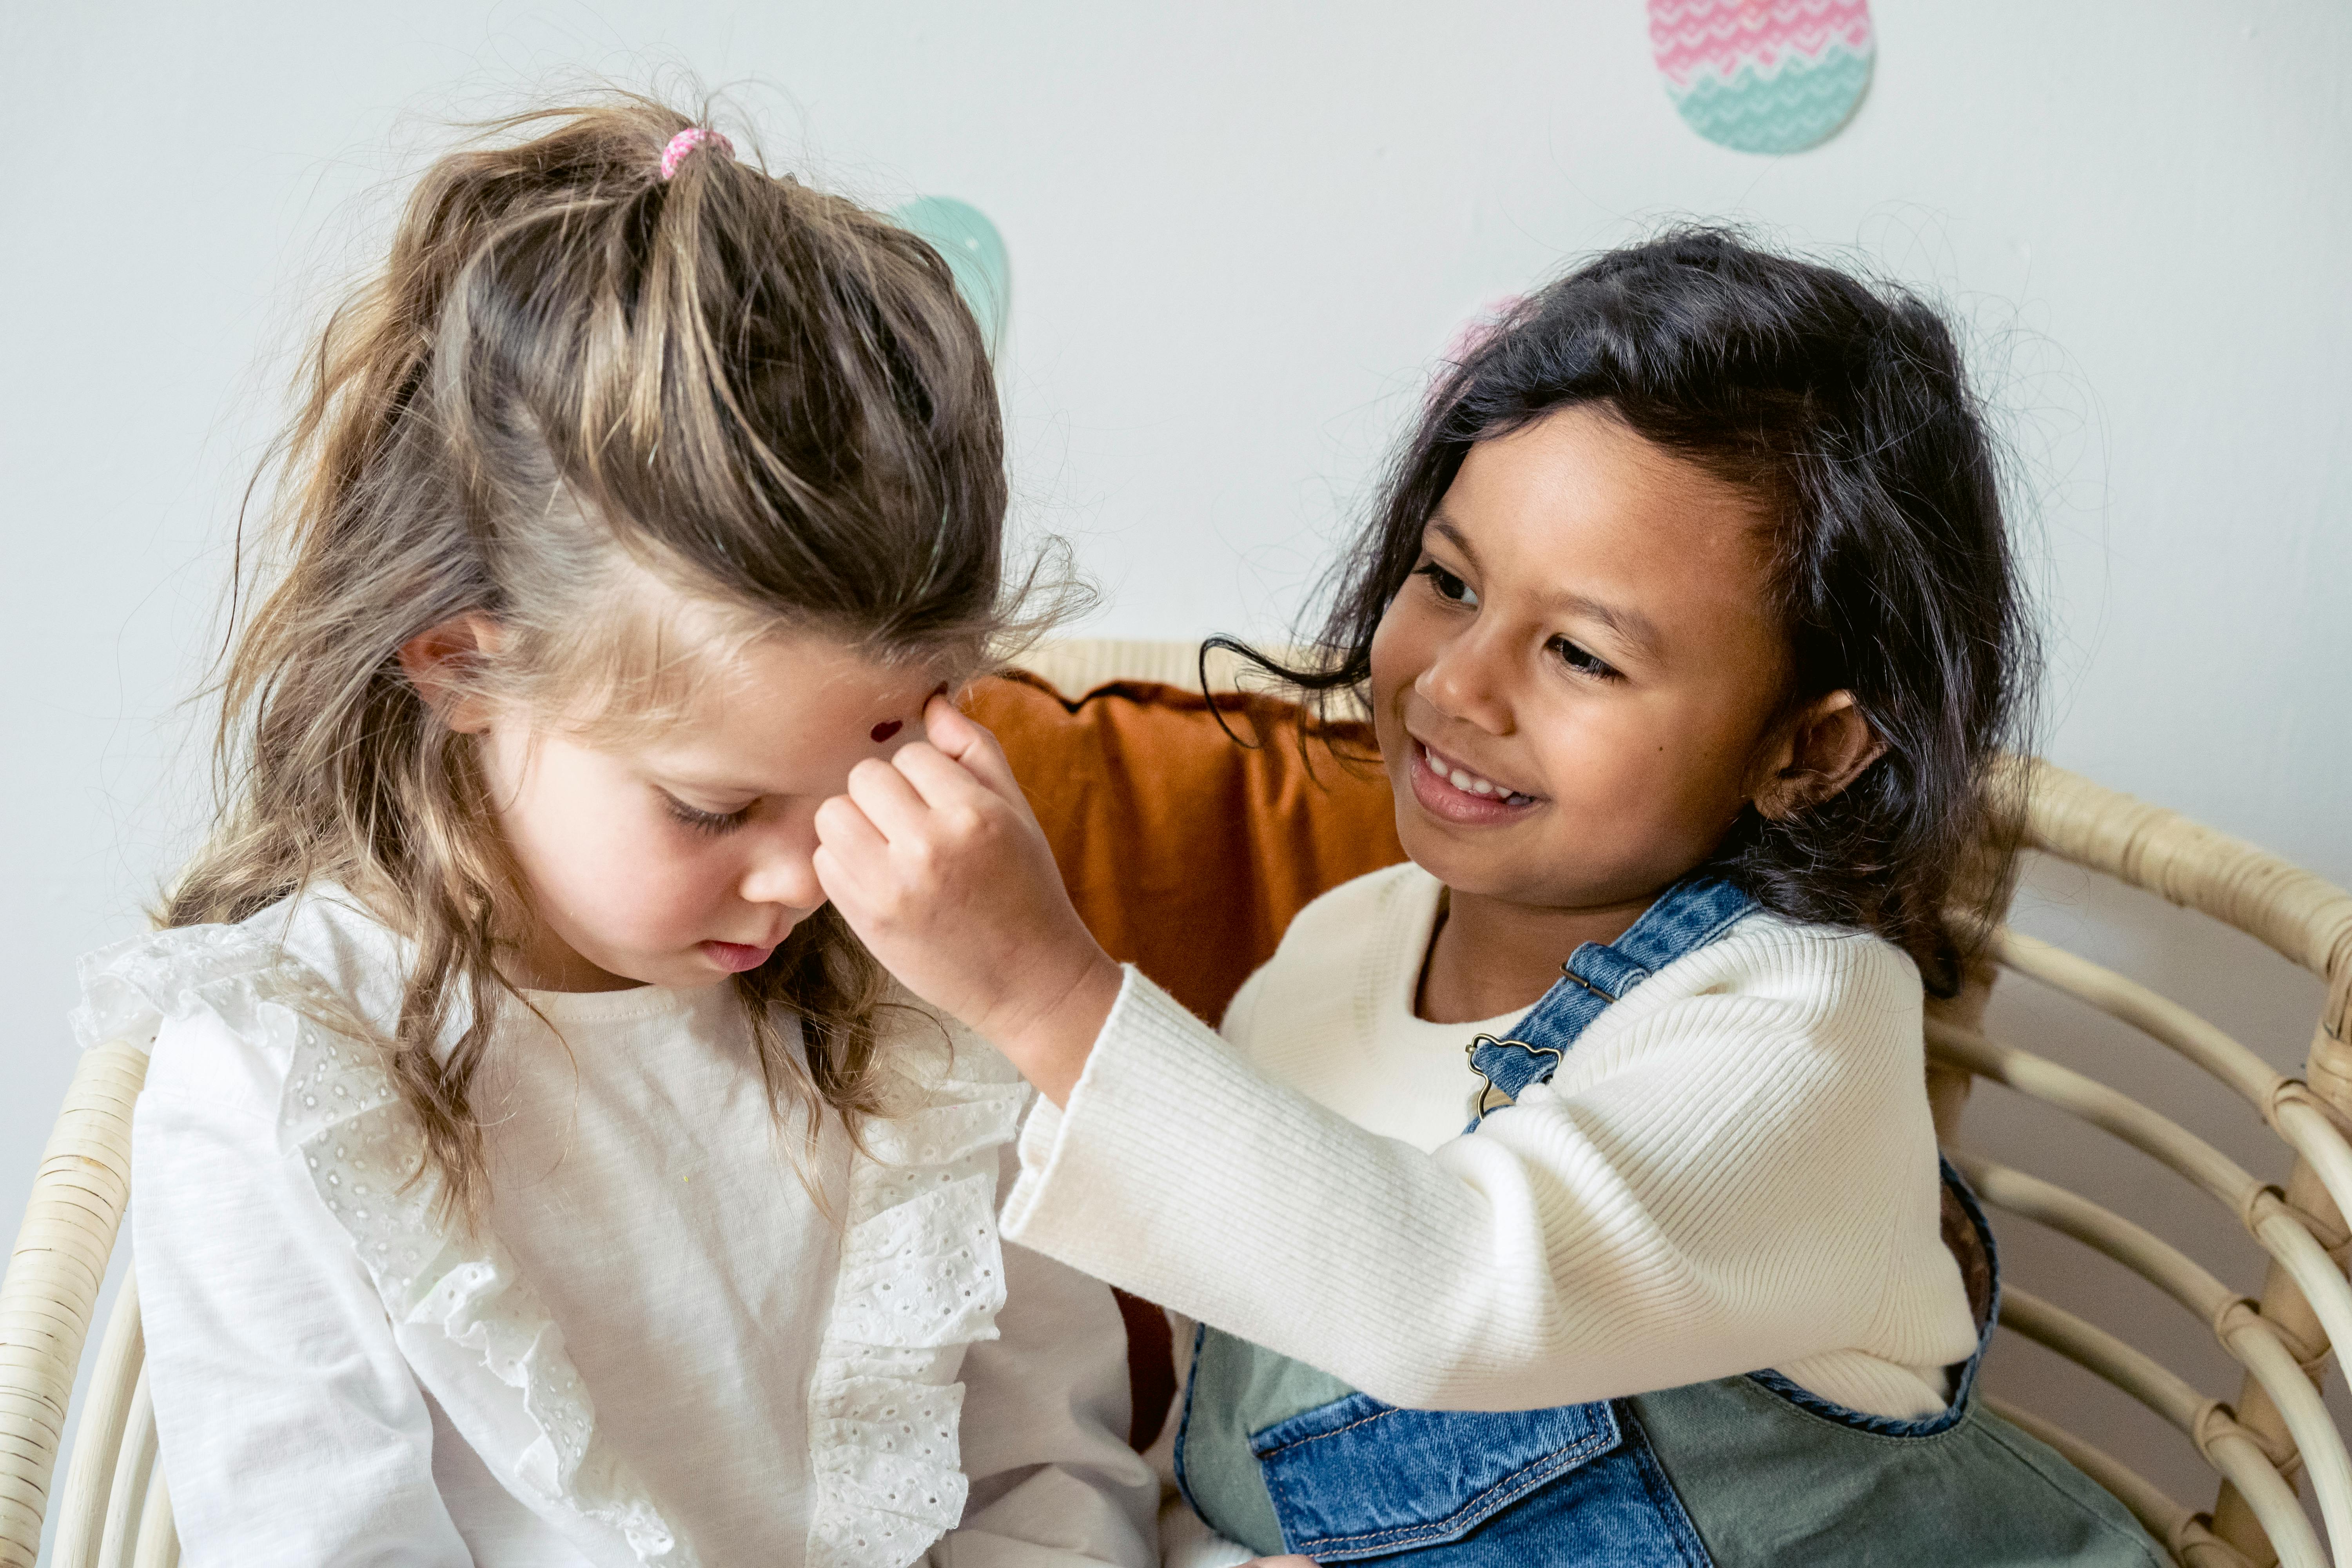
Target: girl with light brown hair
531	1168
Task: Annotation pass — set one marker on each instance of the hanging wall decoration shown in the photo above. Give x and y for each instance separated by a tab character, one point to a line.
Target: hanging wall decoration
974	252
1763	76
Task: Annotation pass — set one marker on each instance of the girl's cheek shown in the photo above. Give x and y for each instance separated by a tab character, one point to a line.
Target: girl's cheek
677	875
1602	764
1398	655
658	901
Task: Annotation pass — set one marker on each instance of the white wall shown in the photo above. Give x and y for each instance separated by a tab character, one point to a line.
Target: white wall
1238	234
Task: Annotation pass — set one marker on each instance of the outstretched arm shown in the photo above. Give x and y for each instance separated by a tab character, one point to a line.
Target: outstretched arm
1742	1178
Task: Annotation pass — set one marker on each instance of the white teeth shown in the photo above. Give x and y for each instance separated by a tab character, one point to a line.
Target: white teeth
1469	782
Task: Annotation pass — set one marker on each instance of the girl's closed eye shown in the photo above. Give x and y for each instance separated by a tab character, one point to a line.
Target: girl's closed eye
1448	586
1584	661
715	824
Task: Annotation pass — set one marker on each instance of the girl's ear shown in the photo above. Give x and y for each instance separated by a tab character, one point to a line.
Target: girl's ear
1813	754
435	660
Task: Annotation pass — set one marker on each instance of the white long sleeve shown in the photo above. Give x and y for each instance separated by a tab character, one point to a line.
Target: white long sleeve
233	1251
1735	1169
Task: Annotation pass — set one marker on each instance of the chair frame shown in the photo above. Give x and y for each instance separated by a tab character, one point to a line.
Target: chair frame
114	1510
114	1513
2282	1337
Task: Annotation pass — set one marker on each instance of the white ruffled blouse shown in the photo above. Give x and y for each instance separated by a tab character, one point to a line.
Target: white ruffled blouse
663	1346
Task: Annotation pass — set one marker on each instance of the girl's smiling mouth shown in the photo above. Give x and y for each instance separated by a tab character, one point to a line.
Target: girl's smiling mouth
1451	793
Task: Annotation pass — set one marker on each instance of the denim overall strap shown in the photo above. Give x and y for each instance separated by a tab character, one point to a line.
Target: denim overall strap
1282	1457
1687	917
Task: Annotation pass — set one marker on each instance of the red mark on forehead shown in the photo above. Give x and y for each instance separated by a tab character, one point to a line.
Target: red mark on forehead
884	730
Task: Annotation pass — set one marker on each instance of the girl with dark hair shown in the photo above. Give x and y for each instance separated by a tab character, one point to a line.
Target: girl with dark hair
531	1171
1691	637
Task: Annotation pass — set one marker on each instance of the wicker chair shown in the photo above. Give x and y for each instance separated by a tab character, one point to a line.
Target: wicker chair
2282	1335
113	1509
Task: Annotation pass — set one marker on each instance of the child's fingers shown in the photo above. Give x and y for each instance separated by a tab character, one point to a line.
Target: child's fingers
891	803
940	780
839	883
845	835
960	736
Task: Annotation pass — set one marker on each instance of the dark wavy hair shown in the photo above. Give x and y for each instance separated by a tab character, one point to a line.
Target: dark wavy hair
1842	405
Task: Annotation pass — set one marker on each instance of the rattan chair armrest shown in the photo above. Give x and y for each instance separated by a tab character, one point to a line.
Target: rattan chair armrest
2159	1017
2298	914
53	1280
1075	666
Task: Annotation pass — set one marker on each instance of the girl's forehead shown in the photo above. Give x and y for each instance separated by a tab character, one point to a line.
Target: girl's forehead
778	713
671	655
1578	507
782	709
801	682
1582	528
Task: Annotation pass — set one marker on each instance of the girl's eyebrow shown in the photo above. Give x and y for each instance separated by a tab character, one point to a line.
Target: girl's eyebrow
1633	628
1445	528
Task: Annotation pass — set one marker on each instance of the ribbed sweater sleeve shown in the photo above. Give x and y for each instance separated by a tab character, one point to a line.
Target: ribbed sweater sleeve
1734	1172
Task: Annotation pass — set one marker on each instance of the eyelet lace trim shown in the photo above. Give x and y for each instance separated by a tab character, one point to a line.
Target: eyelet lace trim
922	1276
921	1273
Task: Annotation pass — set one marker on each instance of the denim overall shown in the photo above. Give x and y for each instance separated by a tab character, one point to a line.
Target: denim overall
1740	1471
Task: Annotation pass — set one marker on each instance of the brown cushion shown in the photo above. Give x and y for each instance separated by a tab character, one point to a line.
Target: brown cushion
1187	854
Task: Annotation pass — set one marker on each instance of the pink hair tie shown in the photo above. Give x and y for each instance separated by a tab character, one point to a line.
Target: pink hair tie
686	141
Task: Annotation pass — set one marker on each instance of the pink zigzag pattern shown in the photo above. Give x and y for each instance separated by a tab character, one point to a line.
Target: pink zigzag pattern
1691	37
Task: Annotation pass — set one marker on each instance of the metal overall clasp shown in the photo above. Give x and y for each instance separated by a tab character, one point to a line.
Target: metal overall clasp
1559	1056
1470	1052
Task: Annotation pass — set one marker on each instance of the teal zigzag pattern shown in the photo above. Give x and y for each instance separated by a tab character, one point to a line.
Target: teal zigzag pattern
1783	110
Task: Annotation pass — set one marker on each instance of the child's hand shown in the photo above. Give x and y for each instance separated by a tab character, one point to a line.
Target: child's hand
934	859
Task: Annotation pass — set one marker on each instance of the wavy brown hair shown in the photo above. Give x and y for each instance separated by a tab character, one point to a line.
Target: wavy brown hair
572	374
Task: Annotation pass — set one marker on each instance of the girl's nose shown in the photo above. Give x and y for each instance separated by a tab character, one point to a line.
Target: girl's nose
782	872
1467	680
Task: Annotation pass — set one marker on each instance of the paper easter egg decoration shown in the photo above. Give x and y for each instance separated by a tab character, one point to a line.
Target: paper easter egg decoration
974	252
1763	76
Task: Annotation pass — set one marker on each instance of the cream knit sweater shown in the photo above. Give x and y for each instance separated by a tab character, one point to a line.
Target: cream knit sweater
1734	1170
